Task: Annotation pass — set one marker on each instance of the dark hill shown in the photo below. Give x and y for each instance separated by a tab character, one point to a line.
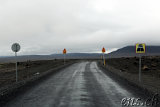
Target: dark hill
129	51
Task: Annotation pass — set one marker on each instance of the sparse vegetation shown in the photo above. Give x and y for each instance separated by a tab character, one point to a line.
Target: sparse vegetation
26	70
150	65
128	68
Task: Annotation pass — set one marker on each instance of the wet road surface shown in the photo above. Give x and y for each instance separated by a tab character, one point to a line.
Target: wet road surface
80	85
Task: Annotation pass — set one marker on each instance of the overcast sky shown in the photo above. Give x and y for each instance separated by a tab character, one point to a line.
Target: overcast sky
49	26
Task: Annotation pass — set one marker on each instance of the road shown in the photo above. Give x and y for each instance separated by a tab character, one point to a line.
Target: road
82	84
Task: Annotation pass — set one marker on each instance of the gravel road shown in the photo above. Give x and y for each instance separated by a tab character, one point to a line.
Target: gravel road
82	84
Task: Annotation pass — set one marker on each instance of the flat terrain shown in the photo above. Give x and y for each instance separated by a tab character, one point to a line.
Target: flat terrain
128	68
150	65
82	84
26	70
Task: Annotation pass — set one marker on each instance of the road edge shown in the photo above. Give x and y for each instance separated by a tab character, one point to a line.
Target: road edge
120	77
15	89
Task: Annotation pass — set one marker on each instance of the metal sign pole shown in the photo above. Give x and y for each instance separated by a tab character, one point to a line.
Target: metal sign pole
140	68
64	59
140	49
103	51
15	48
16	67
103	59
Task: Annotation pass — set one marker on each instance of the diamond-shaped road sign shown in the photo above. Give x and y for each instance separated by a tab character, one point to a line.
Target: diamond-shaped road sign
64	51
103	50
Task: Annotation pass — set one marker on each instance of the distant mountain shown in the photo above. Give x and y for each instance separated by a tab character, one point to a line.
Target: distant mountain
129	51
51	57
77	55
24	58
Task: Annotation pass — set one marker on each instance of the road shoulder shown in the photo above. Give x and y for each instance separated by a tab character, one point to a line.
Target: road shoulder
129	79
13	90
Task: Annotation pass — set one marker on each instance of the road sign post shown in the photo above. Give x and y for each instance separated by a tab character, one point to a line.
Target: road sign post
15	48
140	49
64	54
103	51
16	67
140	61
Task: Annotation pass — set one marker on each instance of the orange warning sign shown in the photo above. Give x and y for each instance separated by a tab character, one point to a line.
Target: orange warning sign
103	50
64	51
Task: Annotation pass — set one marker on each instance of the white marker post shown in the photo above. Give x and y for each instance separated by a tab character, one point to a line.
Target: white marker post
15	48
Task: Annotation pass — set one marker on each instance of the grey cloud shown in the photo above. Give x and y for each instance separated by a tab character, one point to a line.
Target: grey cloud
48	26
